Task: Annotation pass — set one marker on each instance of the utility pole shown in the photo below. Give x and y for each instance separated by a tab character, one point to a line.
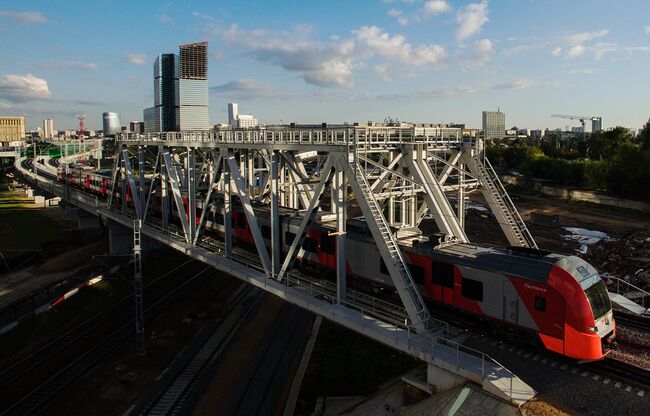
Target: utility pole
137	285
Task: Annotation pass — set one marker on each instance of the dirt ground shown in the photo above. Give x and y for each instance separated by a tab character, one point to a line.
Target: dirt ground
617	222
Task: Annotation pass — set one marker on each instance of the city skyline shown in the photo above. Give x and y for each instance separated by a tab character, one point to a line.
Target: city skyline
426	61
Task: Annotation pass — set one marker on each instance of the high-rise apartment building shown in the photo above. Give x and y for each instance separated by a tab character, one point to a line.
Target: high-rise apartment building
494	124
12	129
111	123
193	87
136	127
232	114
596	124
48	128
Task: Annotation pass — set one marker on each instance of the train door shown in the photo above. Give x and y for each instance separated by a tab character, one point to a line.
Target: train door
510	303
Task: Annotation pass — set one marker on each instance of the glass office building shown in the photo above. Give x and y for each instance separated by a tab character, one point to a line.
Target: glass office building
111	123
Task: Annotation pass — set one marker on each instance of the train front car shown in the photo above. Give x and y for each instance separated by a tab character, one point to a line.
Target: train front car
589	327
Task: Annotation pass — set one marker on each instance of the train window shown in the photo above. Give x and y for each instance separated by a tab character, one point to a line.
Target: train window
540	303
218	218
583	271
472	289
310	244
288	237
442	274
327	244
418	274
382	266
241	221
266	231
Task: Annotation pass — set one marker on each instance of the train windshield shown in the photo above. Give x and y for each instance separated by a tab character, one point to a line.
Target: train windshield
598	298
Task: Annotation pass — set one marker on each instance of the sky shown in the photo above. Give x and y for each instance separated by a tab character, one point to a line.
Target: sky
333	61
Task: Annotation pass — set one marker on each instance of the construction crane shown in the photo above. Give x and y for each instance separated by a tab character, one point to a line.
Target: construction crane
596	122
81	118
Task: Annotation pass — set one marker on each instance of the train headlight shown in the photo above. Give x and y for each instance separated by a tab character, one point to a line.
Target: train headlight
593	329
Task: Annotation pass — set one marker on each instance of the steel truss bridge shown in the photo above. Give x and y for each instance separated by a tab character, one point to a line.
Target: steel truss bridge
395	176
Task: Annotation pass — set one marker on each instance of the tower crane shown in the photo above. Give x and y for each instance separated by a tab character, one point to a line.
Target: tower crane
596	121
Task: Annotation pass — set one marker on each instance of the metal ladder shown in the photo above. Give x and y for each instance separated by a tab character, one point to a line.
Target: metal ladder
396	258
490	180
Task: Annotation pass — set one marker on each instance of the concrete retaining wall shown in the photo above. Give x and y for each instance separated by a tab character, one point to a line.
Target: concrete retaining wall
581	195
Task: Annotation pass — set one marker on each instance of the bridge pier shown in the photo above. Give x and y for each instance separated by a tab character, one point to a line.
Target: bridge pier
87	221
441	380
120	240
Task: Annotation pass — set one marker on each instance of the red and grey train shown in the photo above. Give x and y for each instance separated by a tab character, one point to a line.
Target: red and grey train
559	300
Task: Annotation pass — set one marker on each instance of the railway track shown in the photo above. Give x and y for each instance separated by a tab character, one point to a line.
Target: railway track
55	379
623	371
173	392
635	321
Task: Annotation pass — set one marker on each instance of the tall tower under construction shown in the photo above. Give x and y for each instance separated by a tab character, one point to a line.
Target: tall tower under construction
193	87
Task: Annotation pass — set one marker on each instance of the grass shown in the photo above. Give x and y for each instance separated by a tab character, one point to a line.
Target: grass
23	226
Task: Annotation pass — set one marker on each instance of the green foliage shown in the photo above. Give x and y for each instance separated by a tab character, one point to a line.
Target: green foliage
617	162
644	137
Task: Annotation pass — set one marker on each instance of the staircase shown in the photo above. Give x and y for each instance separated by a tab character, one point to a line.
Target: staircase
498	198
391	252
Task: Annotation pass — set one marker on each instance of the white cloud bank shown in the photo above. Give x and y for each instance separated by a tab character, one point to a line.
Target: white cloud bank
21	88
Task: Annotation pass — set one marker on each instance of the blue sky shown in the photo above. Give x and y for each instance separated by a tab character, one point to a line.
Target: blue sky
335	61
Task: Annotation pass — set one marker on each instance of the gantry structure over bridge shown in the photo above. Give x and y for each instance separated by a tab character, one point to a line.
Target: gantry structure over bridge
392	177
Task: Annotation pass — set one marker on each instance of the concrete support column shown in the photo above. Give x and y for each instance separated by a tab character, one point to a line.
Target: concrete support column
441	379
461	194
120	239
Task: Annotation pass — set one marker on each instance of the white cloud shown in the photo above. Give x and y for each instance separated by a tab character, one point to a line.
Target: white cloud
383	71
601	48
396	48
216	55
28	17
557	51
515	50
334	72
326	63
62	65
471	18
433	7
647	30
243	88
399	15
584	37
20	88
136	58
584	71
576	51
163	18
483	50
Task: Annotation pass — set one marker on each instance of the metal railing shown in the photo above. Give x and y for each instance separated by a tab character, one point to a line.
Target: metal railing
327	136
641	292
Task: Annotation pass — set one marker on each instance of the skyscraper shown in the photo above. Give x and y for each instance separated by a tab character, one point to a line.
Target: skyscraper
12	129
193	87
494	124
48	128
165	86
232	114
596	124
111	123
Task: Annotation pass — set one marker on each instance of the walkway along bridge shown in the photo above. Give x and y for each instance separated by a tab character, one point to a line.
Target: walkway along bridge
395	176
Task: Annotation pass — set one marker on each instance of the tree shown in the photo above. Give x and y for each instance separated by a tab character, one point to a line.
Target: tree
644	137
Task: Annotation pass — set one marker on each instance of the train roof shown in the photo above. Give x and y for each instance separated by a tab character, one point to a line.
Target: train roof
532	265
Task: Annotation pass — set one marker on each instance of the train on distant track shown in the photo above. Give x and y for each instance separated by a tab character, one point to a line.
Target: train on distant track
558	301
